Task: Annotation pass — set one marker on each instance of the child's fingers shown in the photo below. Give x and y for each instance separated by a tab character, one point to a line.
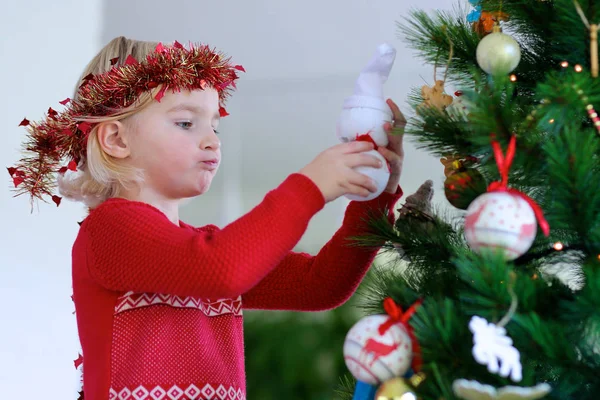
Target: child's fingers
388	128
395	143
362	160
399	119
358	181
391	156
356	146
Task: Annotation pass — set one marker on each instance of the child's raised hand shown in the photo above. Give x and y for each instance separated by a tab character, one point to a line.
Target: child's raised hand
332	170
394	152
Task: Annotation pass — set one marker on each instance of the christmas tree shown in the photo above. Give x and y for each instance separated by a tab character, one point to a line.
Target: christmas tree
499	296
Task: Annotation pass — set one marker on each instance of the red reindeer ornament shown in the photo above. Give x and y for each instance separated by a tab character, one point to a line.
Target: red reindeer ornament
381	347
503	218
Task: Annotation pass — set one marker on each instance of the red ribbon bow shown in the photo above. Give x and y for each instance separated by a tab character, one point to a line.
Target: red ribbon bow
504	163
397	316
366	137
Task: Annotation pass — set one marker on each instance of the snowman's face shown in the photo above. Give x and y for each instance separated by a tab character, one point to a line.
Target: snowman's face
174	142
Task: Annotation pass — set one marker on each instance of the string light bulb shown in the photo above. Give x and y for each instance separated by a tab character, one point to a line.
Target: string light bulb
551	120
564	64
589	107
578	68
558	246
513	78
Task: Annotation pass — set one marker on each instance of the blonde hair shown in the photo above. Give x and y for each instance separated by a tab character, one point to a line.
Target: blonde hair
101	176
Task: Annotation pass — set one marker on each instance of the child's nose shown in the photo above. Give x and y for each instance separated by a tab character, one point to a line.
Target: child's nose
210	141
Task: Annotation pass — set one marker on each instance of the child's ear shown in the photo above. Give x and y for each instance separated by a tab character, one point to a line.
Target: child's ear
112	139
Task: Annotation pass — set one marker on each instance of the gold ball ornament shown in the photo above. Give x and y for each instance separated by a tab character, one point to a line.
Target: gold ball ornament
461	188
498	53
395	389
463	184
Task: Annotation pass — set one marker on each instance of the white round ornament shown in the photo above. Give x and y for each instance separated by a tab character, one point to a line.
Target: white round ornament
373	358
498	53
503	221
380	176
460	107
364	116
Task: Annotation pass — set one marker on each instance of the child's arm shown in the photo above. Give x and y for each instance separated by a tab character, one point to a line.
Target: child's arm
130	246
305	283
314	283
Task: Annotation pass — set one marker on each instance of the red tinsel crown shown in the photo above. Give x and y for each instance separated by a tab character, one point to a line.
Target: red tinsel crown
63	135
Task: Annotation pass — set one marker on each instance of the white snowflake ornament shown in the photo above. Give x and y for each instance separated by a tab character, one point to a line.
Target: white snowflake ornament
493	348
473	390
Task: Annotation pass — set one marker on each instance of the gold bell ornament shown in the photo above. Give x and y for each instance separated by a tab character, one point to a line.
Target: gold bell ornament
399	388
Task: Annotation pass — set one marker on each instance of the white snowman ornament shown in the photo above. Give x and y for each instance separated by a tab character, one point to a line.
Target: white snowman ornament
374	358
365	112
380	176
503	221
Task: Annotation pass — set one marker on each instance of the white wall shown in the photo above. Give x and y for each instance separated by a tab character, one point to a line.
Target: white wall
44	47
302	58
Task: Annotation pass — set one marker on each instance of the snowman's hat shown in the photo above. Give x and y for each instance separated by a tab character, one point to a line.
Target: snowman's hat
368	90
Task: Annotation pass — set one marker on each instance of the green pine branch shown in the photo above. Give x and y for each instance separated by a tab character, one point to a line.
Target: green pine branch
385	281
552	29
428	242
430	37
574	174
556	325
345	388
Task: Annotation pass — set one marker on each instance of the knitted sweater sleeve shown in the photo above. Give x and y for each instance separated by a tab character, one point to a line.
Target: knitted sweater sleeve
132	246
315	283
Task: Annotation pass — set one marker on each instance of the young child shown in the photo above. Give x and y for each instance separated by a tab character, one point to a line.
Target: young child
158	302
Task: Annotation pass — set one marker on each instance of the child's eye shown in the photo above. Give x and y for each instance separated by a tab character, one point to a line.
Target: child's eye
184	124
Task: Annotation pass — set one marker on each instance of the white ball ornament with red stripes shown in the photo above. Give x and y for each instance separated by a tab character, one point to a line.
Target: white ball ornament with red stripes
374	358
503	219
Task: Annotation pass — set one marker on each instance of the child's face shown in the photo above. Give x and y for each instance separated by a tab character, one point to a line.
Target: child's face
174	142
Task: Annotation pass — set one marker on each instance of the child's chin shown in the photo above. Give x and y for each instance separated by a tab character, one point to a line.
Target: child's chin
201	189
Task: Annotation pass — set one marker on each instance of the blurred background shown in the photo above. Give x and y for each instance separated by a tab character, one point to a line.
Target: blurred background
301	58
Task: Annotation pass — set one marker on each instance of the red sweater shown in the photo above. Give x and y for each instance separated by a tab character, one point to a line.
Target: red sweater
159	306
